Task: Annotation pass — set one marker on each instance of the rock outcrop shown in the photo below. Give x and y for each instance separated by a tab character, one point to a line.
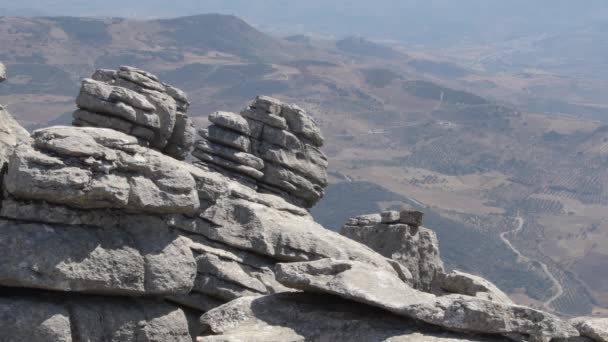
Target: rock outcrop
593	328
399	236
272	146
136	102
107	236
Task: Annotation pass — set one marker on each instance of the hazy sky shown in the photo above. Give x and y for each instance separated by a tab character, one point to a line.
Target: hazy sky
411	20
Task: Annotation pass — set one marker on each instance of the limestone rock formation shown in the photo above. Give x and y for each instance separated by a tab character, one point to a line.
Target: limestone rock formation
272	145
398	235
136	102
107	236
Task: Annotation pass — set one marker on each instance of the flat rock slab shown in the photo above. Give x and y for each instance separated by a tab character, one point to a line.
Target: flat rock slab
351	280
129	261
371	286
93	168
316	317
281	234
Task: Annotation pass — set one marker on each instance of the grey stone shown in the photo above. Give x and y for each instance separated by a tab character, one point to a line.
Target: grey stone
140	77
231	121
417	249
228	164
594	328
33	320
99	120
197	301
302	124
463	313
123	103
264	117
226	152
368	220
11	135
351	280
182	140
130	261
103	319
268	104
166	110
390	216
315	317
227	137
134	95
280	234
293	183
104	75
112	172
361	283
296	161
471	285
282	138
411	217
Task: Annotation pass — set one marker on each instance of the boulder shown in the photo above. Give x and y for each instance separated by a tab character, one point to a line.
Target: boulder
471	285
417	249
368	285
593	328
316	317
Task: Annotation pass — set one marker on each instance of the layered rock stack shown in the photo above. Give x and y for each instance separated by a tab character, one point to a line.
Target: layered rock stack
399	236
271	145
105	239
137	103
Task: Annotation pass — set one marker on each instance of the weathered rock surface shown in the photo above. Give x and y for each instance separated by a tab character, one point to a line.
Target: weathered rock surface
371	286
11	135
43	317
316	317
471	285
135	102
126	261
416	248
272	143
24	320
281	235
91	168
594	328
351	280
